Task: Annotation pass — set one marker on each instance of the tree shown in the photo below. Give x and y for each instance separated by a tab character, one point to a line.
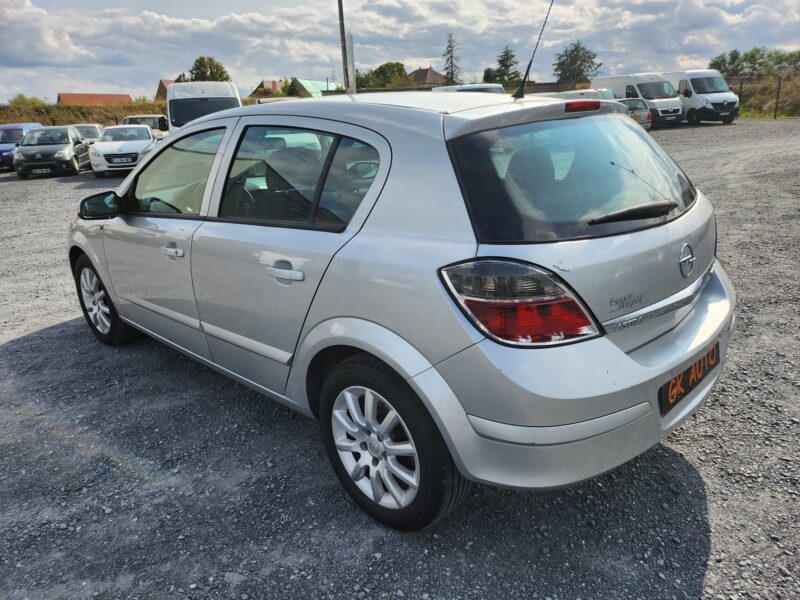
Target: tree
490	75
388	75
181	78
576	63
23	101
506	66
208	68
756	62
452	72
289	87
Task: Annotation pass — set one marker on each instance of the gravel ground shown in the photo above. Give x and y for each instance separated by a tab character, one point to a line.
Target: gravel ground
135	472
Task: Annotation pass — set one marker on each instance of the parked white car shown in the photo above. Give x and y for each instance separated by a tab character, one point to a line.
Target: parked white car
120	148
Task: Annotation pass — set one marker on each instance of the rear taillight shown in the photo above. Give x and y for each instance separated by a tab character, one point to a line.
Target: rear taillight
517	303
649	116
582	105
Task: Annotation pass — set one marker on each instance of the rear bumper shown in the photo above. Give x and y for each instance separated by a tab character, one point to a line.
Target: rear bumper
543	426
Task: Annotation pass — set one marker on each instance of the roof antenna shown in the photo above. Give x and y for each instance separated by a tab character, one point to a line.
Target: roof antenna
520	93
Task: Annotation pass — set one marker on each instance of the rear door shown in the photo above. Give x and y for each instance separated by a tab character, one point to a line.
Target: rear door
537	192
293	192
148	248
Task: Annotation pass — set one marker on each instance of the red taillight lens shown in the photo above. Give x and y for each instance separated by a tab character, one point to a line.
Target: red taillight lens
518	303
649	116
582	105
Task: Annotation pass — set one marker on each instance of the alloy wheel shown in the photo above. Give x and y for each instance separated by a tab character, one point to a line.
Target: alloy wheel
94	301
375	447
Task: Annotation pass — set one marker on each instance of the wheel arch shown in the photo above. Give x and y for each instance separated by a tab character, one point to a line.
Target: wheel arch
334	340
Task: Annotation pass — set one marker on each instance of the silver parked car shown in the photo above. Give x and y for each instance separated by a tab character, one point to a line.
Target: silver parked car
459	287
638	111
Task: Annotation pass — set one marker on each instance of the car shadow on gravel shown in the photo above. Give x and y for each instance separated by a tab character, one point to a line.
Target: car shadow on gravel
136	471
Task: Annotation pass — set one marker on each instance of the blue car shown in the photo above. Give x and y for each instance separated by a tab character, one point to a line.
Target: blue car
11	135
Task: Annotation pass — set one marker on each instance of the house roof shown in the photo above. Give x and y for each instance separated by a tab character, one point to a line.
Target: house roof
315	87
87	99
427	76
165	82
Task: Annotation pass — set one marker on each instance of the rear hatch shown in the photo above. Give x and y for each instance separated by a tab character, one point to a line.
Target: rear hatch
598	203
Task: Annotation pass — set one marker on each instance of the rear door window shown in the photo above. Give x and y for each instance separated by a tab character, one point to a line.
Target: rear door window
545	181
292	176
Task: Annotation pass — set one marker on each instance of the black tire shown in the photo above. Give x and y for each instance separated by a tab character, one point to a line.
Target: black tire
441	486
22	175
692	118
99	174
119	332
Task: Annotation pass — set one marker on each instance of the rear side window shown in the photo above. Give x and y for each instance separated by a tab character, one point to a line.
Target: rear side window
174	182
545	181
291	176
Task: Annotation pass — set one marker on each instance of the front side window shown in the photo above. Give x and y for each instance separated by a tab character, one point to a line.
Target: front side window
709	85
655	90
174	182
291	176
550	180
183	110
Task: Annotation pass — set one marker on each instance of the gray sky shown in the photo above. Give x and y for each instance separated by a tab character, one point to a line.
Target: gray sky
51	46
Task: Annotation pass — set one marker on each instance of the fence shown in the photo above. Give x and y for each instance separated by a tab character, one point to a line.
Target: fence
767	96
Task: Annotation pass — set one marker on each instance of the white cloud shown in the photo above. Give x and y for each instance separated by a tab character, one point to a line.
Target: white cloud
123	49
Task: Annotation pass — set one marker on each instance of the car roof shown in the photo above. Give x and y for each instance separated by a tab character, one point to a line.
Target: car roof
129	126
143	115
20	125
53	127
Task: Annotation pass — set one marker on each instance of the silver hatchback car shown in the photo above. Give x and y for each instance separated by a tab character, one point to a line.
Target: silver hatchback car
459	287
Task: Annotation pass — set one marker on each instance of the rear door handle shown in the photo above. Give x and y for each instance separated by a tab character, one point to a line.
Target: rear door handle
172	251
288	274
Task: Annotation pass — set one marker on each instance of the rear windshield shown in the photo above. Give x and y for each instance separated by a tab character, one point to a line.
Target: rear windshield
544	181
188	109
151	122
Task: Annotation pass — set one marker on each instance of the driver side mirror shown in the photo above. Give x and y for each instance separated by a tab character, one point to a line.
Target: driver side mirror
162	124
99	206
687	93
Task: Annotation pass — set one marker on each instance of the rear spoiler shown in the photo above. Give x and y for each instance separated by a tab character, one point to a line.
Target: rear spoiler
497	116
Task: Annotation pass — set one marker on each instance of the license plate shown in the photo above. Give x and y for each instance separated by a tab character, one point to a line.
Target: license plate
680	386
670	118
40	171
121	160
724	114
636	117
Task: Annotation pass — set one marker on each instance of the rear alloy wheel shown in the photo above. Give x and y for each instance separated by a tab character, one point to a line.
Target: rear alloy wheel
691	117
385	448
100	313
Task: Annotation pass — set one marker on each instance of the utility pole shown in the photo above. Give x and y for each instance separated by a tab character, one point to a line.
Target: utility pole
345	66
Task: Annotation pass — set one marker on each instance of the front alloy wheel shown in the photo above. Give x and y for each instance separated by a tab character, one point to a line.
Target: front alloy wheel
100	312
375	447
94	299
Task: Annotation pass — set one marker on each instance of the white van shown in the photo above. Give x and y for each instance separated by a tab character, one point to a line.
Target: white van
653	88
192	100
705	95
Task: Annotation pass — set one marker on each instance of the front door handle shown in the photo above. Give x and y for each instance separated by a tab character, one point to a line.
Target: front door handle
172	251
288	274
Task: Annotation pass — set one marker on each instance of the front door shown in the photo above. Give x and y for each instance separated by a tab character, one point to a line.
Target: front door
296	191
148	248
